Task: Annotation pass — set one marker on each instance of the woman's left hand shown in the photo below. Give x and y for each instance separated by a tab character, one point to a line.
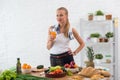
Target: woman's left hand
74	53
71	53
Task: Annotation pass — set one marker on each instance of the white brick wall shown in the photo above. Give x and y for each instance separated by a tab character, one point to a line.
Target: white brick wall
24	24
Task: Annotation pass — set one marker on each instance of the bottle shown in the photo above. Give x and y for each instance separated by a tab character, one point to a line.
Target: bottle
18	66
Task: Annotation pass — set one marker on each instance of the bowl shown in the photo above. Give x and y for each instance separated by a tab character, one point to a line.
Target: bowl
26	71
73	70
55	75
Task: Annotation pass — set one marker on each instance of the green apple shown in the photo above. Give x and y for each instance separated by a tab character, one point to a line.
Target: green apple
52	69
57	67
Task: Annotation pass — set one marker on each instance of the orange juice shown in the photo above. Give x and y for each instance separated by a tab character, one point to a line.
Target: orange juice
53	33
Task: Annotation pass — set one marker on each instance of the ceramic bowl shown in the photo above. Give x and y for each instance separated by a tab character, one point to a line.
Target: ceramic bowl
26	71
73	70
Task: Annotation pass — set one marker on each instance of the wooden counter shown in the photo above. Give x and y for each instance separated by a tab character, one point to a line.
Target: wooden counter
41	74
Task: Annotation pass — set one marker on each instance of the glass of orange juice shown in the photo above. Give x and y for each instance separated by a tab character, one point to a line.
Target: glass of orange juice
53	33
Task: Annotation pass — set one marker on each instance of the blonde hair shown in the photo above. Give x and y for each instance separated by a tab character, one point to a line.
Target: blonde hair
67	25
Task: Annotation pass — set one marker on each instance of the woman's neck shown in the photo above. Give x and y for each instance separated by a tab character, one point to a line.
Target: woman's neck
62	28
62	25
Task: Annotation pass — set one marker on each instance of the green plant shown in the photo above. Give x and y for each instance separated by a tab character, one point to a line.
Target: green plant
109	34
95	35
99	13
90	53
98	56
8	75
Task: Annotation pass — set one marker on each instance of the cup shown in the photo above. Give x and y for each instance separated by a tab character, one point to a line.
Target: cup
53	33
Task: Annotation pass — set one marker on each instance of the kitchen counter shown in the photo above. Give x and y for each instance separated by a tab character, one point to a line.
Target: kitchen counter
41	74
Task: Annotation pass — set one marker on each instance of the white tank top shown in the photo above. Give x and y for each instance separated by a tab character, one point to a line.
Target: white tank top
61	43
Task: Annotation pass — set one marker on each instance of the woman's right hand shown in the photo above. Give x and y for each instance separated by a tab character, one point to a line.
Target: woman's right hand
51	38
51	34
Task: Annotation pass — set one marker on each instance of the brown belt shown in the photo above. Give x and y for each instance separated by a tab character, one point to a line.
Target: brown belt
61	55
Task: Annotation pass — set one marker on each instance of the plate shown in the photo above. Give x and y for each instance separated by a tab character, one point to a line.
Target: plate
38	70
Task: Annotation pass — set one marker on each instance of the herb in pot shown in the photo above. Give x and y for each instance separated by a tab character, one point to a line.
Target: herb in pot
99	13
109	34
95	35
98	56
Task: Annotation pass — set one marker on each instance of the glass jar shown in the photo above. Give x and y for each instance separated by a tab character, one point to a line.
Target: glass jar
108	58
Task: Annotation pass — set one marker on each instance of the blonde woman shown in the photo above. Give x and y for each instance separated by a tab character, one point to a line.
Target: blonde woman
60	52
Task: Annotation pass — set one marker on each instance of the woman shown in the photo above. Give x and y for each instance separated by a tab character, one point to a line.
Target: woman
60	53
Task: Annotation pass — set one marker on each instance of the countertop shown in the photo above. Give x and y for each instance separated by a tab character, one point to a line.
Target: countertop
41	74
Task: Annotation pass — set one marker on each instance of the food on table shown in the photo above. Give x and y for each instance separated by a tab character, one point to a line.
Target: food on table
30	77
88	72
8	75
26	68
94	73
40	67
56	71
77	78
105	73
69	73
72	67
97	77
67	65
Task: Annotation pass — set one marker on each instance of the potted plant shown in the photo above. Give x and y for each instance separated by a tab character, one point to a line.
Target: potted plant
109	35
103	39
108	58
94	36
99	15
90	56
98	57
108	16
90	16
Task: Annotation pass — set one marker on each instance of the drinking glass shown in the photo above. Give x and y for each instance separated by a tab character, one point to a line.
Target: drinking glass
53	32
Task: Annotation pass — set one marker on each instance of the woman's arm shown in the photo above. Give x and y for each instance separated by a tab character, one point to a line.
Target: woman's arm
79	40
50	40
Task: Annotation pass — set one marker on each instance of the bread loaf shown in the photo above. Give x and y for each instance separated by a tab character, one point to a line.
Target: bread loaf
77	78
105	73
88	71
97	77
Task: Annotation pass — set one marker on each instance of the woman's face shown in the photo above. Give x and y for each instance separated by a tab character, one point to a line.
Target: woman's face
61	16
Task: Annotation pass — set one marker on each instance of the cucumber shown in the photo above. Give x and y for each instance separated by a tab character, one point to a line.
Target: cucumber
30	77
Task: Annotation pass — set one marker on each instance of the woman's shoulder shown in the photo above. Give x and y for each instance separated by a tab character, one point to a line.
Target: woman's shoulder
72	29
